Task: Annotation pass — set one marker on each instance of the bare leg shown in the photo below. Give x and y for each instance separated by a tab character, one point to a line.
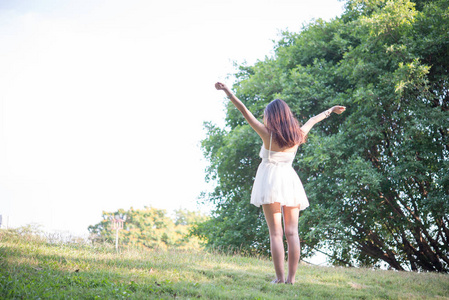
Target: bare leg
273	215
291	215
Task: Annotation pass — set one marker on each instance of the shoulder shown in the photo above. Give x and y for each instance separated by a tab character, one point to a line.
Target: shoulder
264	135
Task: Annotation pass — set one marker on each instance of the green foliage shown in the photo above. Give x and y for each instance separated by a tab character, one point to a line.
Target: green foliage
31	268
376	176
230	165
150	228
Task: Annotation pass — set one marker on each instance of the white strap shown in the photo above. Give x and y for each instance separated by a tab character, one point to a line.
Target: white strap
269	151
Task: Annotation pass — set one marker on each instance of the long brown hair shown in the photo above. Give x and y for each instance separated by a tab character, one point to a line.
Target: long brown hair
281	122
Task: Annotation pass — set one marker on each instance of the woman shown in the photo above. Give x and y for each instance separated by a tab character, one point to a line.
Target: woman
277	187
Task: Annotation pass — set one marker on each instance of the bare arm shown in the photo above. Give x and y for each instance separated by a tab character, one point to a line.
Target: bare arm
320	117
253	122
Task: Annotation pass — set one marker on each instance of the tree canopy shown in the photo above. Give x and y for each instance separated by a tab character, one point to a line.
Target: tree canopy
149	227
377	176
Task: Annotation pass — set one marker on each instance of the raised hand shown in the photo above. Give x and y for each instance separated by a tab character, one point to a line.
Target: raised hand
221	86
338	109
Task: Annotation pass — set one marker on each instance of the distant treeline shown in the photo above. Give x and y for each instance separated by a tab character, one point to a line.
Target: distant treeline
149	227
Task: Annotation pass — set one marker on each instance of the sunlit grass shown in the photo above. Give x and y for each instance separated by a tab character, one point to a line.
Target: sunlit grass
32	268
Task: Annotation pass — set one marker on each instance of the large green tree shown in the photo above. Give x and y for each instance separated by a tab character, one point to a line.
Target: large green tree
377	176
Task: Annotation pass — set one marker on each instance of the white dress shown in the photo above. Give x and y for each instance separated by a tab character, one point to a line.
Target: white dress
277	181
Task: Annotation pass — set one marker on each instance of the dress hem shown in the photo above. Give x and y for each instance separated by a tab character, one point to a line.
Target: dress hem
282	204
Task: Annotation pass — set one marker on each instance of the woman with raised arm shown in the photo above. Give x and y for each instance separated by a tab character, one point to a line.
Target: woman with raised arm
277	187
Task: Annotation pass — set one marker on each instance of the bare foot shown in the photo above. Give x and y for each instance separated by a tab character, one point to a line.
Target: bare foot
277	281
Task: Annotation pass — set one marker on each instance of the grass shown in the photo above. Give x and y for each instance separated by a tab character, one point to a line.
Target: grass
32	268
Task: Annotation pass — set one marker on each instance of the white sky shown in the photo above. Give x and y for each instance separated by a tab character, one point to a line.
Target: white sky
102	101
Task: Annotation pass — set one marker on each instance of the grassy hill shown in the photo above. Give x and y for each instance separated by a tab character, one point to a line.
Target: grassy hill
32	268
